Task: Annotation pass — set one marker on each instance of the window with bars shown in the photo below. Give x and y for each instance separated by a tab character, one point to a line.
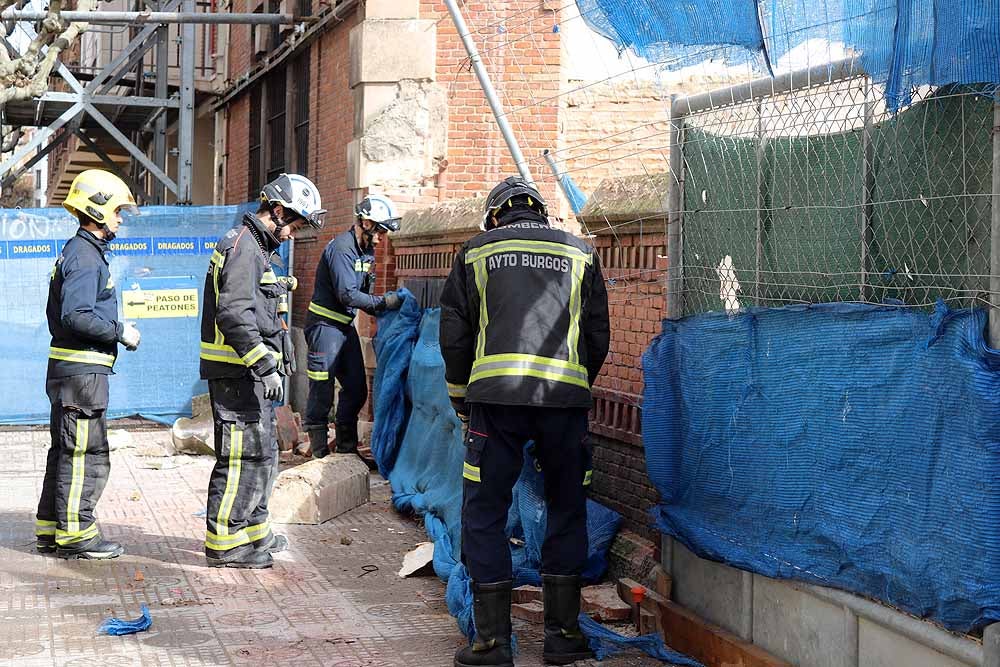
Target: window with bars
276	113
300	137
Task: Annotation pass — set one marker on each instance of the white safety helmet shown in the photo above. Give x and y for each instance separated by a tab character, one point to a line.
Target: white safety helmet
380	210
295	193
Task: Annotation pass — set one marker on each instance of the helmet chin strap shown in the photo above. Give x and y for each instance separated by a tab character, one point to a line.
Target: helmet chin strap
109	235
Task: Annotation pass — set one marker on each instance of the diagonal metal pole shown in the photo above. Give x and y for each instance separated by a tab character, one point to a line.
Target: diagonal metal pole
111	164
134	150
489	91
134	50
35	159
40	137
994	324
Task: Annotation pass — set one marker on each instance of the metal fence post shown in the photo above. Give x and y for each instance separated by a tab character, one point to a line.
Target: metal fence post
675	216
995	235
185	132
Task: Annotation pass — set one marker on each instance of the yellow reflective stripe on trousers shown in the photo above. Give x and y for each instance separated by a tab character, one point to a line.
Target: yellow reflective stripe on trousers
81	356
79	474
258	531
525	245
330	314
573	335
586	477
43	527
457	390
484	314
471	472
226	542
64	537
232	480
529	365
318	376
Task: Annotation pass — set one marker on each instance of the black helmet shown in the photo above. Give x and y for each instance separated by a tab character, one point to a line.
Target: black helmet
505	192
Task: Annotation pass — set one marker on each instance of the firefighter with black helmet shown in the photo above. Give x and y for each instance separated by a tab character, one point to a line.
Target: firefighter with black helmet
524	333
345	277
82	315
246	353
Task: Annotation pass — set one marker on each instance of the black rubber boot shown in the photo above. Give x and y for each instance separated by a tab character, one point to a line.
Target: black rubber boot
347	439
245	557
318	436
491	611
45	544
564	642
96	548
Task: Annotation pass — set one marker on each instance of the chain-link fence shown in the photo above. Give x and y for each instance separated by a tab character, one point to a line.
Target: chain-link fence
806	189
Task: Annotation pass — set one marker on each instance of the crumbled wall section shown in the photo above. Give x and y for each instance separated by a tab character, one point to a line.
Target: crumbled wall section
405	143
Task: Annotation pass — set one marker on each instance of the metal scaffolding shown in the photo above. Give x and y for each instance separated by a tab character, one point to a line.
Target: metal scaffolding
88	107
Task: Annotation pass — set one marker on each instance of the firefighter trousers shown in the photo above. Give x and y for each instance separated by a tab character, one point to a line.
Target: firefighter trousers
494	457
335	353
78	462
246	464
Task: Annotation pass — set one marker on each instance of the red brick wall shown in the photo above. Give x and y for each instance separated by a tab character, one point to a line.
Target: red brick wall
524	71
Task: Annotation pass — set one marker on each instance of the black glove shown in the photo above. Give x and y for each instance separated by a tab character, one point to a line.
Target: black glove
393	301
273	387
461	409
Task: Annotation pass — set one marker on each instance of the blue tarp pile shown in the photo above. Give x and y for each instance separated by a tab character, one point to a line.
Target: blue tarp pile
159	263
417	444
843	445
903	44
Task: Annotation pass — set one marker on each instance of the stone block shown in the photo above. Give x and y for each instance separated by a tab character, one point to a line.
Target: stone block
603	603
201	405
391	9
526	594
386	51
194	436
298	383
319	490
369	100
533	612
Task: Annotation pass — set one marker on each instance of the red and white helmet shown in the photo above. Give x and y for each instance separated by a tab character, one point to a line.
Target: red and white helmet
296	193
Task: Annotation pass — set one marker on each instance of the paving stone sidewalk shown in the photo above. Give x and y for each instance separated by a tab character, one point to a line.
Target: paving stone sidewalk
325	603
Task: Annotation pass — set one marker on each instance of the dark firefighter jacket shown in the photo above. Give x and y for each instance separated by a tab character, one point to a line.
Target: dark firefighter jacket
344	280
241	327
82	310
524	317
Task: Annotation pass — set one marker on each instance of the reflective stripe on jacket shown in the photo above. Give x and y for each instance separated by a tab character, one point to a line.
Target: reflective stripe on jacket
344	280
241	327
524	317
82	309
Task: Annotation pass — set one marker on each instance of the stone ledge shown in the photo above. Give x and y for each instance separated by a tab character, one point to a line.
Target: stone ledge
629	202
447	222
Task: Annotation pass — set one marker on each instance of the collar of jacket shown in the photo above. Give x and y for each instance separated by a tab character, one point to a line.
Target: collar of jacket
267	241
524	215
93	240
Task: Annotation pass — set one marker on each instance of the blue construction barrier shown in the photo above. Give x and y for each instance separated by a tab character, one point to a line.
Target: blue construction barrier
852	446
417	444
159	261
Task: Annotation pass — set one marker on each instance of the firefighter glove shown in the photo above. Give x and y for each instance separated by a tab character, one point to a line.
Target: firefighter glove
129	336
273	388
393	301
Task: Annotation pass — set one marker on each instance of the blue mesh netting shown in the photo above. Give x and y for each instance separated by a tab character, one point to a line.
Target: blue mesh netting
852	446
902	43
163	249
417	442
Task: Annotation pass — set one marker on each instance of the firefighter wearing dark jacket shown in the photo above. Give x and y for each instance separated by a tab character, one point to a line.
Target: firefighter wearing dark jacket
245	354
82	313
524	332
344	280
